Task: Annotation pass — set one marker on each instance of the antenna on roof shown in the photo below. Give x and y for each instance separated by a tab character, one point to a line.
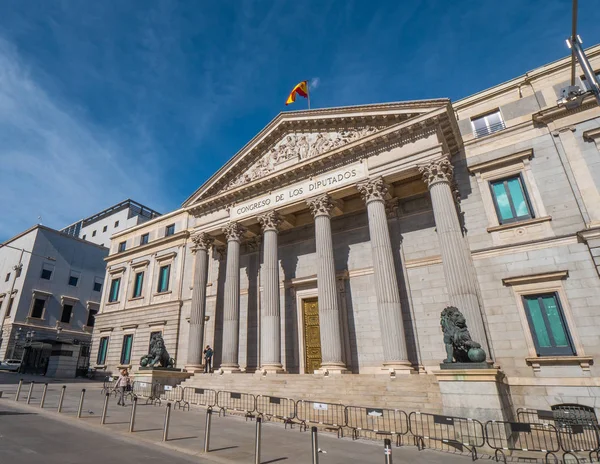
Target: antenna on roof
573	95
40	220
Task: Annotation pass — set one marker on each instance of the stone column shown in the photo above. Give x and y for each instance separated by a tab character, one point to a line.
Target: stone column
202	245
231	304
386	283
329	312
270	320
456	256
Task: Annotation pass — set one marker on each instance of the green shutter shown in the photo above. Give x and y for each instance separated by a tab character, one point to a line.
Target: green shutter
518	196
537	320
502	201
555	320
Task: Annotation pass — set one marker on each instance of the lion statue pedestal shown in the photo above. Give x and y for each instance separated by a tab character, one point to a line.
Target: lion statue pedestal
157	367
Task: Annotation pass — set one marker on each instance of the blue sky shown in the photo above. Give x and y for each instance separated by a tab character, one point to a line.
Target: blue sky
102	101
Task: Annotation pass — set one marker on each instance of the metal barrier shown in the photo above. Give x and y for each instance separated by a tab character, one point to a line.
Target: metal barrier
535	416
521	436
147	390
235	401
171	394
199	396
381	421
271	407
109	385
331	415
457	432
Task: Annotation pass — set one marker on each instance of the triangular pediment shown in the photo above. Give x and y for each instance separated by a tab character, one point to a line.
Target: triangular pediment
295	137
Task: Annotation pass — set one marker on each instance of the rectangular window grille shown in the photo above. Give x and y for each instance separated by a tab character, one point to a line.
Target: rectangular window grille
163	278
66	314
487	124
38	308
102	350
114	290
548	326
126	349
137	284
511	200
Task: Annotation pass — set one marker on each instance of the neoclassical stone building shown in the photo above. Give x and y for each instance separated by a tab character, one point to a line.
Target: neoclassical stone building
332	241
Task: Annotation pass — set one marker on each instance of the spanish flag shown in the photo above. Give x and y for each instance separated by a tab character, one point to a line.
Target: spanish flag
300	89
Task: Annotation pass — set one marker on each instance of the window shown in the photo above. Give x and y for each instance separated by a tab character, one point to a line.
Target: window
66	314
144	239
169	230
97	284
126	349
18	271
47	271
84	236
102	349
122	246
510	200
137	284
38	308
93	233
91	320
548	326
116	223
487	124
104	229
114	290
74	278
163	278
10	304
7	277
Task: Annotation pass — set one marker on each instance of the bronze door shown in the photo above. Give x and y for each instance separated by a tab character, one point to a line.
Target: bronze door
312	335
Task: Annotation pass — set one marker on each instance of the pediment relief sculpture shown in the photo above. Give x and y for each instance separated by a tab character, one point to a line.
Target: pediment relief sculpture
299	146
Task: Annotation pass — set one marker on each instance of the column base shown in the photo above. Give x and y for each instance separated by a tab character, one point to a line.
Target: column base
398	367
230	368
333	368
194	368
271	369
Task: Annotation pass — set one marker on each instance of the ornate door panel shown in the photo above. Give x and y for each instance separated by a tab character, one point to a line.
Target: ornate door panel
312	335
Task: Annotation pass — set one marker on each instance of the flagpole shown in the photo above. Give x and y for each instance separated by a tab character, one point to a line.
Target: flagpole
308	93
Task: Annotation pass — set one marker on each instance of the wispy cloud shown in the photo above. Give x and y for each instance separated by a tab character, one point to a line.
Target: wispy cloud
314	83
53	161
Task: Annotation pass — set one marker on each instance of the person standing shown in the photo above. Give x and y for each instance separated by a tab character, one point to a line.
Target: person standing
121	386
208	354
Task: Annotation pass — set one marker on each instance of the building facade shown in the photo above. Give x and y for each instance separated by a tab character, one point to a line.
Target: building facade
334	239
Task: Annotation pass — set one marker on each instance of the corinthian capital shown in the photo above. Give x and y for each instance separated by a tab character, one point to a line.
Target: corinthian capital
270	221
440	170
320	205
234	231
202	241
373	189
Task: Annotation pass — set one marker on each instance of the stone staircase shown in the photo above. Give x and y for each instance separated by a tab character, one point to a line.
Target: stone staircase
417	392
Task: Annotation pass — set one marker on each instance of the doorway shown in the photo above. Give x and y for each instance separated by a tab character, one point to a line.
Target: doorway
312	335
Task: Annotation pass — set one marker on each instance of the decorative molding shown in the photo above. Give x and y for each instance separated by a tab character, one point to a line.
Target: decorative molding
156	323
440	170
427	261
129	326
202	241
41	293
299	146
514	225
560	111
392	206
71	299
166	256
270	221
320	205
92	305
373	189
234	231
537	362
155	244
535	278
591	135
138	264
117	270
106	329
502	161
589	234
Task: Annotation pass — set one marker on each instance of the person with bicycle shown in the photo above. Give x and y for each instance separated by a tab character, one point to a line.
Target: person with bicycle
123	384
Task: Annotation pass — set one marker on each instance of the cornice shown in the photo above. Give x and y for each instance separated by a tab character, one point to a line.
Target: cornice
149	246
535	278
509	159
591	135
412	129
560	111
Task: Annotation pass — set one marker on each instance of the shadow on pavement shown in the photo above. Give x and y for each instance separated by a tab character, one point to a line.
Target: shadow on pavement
273	460
15	413
181	438
223	449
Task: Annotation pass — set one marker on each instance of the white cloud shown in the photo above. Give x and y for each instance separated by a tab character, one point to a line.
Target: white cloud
314	83
54	162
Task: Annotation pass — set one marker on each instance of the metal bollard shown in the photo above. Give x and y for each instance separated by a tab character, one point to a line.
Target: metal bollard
81	403
207	429
257	443
30	391
387	450
19	390
106	398
62	397
167	420
133	409
315	445
43	400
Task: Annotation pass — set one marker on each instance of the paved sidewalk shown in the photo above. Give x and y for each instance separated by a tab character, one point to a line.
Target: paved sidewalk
232	437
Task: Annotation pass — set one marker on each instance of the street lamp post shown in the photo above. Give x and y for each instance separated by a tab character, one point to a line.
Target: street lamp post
29	337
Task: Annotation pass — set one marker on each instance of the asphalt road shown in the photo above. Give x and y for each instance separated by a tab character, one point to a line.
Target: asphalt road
29	438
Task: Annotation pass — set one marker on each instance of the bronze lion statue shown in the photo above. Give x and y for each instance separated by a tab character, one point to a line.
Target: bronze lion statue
459	345
158	356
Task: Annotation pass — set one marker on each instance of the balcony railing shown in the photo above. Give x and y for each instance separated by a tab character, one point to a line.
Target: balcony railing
487	130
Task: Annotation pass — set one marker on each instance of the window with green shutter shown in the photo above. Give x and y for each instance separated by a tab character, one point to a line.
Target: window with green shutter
126	349
548	326
137	284
102	349
510	200
114	290
163	278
